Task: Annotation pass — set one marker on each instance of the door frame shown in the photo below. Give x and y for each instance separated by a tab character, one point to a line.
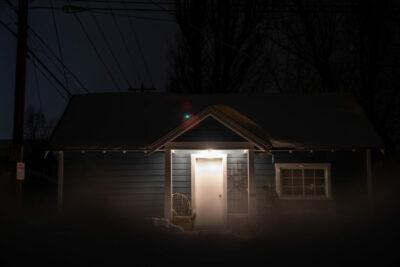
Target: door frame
212	155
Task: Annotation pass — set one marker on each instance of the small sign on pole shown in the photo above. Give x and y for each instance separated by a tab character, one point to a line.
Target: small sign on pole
20	171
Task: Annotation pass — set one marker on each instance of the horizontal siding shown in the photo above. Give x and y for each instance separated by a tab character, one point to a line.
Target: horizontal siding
130	183
134	182
264	172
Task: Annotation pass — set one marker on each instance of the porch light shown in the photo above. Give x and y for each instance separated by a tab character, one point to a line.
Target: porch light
209	153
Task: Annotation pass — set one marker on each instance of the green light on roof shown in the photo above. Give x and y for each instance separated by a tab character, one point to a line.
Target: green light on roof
187	116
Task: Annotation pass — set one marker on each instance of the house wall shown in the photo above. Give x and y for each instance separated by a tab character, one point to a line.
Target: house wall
348	184
236	177
133	184
127	184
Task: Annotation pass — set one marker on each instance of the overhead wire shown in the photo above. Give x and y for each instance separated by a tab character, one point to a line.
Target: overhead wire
43	73
59	43
36	67
117	2
52	84
96	50
110	49
132	28
46	46
132	16
125	43
35	57
41	40
37	87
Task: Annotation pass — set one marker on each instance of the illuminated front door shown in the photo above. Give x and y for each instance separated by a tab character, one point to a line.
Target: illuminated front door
209	190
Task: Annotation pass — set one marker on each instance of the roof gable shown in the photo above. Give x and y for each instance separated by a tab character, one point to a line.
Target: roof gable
230	118
210	130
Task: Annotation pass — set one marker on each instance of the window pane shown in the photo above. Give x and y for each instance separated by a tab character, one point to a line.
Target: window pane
303	182
319	173
287	181
320	181
320	190
286	173
297	173
309	186
308	173
297	181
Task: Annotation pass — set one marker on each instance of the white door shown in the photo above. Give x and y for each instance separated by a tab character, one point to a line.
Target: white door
209	194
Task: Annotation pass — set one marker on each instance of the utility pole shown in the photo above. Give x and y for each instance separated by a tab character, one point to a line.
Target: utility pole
20	83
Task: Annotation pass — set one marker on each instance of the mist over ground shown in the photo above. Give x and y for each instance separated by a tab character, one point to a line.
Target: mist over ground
37	235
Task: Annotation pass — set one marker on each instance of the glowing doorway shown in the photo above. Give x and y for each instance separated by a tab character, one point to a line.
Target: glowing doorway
209	194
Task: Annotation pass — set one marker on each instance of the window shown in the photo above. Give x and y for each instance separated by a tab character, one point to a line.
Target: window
303	180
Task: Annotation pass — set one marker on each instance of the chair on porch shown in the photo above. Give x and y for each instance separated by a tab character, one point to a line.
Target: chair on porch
182	211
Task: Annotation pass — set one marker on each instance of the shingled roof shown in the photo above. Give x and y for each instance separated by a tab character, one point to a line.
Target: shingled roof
131	120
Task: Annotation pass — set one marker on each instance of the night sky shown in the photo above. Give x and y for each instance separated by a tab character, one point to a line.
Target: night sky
156	32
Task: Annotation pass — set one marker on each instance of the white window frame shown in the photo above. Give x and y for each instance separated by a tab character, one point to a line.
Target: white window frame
327	171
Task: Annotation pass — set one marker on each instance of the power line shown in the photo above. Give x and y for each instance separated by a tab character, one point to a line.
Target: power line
58	42
43	43
37	85
35	57
48	57
125	45
75	9
119	66
132	28
117	2
95	50
52	84
51	51
132	16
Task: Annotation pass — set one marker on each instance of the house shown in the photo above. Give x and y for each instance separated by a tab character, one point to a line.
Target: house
227	156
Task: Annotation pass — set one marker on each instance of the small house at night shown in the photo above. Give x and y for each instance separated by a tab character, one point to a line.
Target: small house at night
213	158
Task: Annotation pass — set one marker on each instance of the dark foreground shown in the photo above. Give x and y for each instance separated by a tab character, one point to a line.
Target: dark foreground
40	238
101	241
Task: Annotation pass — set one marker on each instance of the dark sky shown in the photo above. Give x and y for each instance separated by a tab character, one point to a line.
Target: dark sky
156	38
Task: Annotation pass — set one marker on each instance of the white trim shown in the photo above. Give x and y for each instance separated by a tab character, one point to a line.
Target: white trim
207	145
251	185
168	185
327	171
212	154
217	115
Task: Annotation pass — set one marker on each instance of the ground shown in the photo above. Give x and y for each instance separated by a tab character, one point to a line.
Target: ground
41	237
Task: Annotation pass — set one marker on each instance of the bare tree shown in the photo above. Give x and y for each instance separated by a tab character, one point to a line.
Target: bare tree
219	45
36	127
301	46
